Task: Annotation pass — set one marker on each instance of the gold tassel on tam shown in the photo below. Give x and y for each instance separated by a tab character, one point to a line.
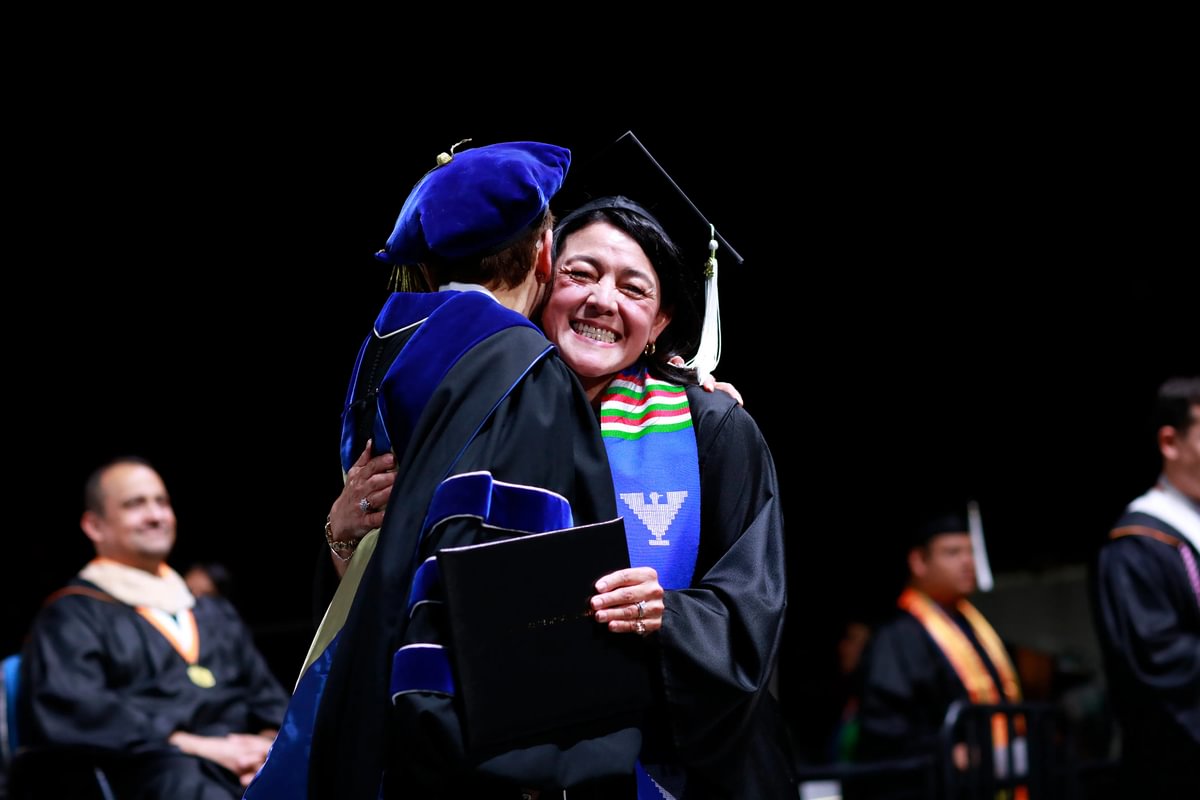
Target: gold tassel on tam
409	278
445	158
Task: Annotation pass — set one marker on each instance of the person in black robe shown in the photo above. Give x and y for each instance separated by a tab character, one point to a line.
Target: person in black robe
634	292
714	729
167	692
1147	611
912	676
449	383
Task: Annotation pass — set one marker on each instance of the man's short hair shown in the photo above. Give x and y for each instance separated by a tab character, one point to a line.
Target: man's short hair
505	269
1176	398
93	495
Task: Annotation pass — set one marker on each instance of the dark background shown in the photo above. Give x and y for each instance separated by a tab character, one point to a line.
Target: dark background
942	294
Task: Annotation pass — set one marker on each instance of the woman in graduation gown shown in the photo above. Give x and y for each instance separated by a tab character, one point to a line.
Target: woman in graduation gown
711	602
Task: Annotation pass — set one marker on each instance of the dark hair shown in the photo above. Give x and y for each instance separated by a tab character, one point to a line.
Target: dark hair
504	269
679	286
219	574
93	496
939	523
1176	397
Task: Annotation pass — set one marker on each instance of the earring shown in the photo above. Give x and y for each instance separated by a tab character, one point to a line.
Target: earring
649	349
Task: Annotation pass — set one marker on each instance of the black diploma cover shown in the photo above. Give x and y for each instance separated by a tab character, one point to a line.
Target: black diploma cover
531	663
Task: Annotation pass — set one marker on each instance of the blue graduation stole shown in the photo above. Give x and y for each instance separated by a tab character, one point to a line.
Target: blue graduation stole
647	430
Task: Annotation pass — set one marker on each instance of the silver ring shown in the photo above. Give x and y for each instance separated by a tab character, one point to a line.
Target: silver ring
641	609
364	506
639	626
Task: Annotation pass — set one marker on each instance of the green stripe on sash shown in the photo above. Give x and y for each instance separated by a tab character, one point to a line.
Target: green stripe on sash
609	433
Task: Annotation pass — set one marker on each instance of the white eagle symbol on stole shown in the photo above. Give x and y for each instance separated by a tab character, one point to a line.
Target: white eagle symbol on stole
655	515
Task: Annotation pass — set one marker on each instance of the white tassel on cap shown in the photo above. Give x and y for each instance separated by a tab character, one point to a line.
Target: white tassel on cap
709	351
983	570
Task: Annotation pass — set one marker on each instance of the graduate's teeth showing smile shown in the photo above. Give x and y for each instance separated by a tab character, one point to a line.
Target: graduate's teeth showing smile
593	333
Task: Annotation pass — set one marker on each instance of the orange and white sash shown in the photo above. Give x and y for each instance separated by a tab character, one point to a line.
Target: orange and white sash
959	651
964	658
162	599
180	630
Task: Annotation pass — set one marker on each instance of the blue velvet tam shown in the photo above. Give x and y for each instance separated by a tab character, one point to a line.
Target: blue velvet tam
477	203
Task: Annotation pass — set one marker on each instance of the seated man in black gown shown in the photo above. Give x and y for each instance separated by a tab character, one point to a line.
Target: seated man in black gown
166	690
458	387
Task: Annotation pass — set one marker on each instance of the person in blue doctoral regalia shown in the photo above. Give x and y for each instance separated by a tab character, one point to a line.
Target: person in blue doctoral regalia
449	382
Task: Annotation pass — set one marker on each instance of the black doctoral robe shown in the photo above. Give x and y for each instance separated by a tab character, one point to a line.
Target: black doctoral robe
541	433
98	677
1148	620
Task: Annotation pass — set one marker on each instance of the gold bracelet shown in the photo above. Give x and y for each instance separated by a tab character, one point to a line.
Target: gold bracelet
336	547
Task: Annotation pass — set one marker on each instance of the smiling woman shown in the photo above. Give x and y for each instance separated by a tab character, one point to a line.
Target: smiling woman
605	309
694	478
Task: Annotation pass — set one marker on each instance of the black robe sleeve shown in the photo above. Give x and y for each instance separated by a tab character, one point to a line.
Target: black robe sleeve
1148	622
720	637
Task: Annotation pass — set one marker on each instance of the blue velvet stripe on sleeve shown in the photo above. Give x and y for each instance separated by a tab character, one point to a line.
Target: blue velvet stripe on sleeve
496	504
426	585
421	667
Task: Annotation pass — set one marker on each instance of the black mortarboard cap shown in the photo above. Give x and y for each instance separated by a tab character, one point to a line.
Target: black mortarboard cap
939	521
626	169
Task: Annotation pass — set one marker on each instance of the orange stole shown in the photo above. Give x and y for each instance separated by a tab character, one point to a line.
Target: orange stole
190	653
961	653
967	664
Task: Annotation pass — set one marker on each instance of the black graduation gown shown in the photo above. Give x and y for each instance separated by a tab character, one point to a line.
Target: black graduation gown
99	677
908	686
1148	621
543	434
720	637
